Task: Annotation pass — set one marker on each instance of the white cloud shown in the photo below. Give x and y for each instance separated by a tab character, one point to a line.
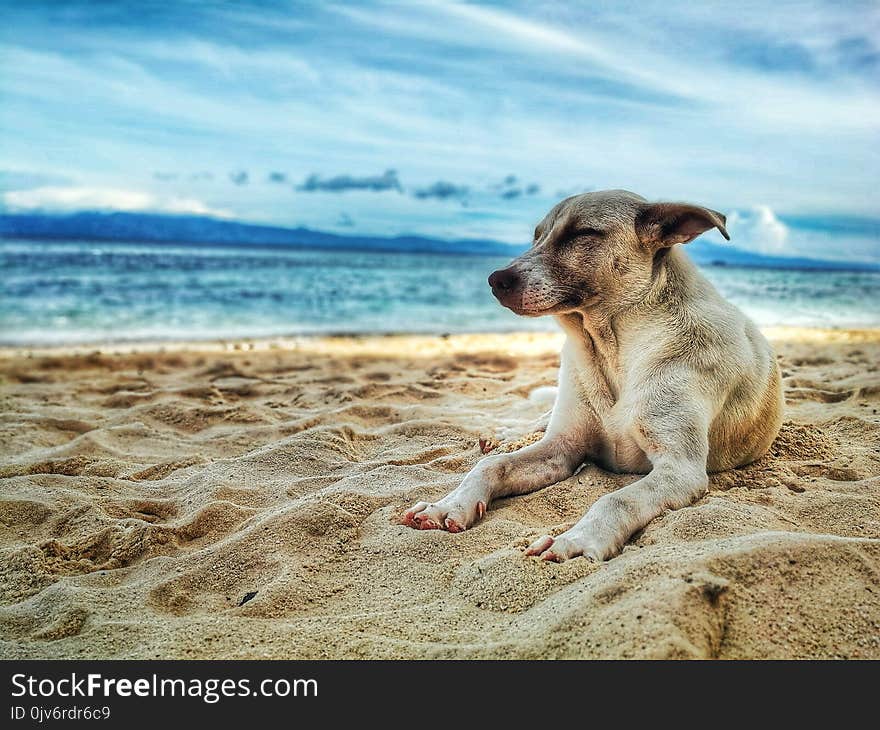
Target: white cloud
758	229
66	199
568	95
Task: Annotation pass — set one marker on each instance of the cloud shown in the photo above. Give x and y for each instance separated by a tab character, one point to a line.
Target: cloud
758	229
506	182
67	199
858	53
510	188
343	183
277	177
767	55
165	176
21	180
442	190
504	31
239	178
455	92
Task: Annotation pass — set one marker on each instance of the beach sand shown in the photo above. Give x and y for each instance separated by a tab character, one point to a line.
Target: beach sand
240	500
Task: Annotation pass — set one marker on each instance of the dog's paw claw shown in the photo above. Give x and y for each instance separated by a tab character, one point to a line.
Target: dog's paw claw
564	547
409	517
539	545
457	518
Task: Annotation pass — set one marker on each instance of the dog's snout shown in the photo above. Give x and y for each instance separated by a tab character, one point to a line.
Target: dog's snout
503	280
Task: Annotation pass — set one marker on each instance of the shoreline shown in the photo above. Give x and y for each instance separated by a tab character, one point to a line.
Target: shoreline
521	341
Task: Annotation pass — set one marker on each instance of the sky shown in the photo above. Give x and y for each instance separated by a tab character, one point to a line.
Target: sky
448	119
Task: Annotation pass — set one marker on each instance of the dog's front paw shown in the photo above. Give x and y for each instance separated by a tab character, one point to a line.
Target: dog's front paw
571	544
454	514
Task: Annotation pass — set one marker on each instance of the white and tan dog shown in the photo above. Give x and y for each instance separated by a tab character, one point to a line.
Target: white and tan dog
659	374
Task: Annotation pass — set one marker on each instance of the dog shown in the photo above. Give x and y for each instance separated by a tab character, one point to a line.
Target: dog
659	374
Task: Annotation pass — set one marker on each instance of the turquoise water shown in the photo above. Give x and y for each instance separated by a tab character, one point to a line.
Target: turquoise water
79	292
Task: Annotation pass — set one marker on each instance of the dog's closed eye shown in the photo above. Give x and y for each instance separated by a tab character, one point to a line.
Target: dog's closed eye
587	233
581	234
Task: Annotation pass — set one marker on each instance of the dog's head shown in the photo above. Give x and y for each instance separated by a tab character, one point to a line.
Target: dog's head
597	247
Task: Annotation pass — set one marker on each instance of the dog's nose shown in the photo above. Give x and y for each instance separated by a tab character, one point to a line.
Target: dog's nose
503	280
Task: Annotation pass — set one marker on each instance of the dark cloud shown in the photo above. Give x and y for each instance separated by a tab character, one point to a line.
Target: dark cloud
510	188
764	53
858	53
276	177
344	221
239	178
165	176
342	183
202	176
507	182
442	190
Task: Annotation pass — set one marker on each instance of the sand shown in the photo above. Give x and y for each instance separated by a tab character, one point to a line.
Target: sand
239	500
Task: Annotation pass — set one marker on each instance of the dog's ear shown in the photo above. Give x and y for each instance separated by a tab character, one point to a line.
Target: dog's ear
665	224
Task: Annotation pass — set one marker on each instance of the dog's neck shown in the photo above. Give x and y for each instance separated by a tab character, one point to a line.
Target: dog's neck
600	335
669	281
596	339
601	326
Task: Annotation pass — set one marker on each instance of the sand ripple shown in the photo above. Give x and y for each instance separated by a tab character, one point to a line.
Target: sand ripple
216	502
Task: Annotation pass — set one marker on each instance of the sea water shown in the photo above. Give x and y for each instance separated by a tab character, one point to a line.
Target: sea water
82	292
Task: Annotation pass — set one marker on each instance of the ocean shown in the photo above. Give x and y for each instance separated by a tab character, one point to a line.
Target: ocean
82	292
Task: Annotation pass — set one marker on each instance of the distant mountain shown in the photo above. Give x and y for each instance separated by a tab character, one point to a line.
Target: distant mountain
147	227
713	254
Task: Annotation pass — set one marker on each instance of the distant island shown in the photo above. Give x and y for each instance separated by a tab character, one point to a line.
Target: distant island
202	230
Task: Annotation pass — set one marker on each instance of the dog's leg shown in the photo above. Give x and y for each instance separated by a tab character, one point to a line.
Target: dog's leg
546	462
555	457
676	441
